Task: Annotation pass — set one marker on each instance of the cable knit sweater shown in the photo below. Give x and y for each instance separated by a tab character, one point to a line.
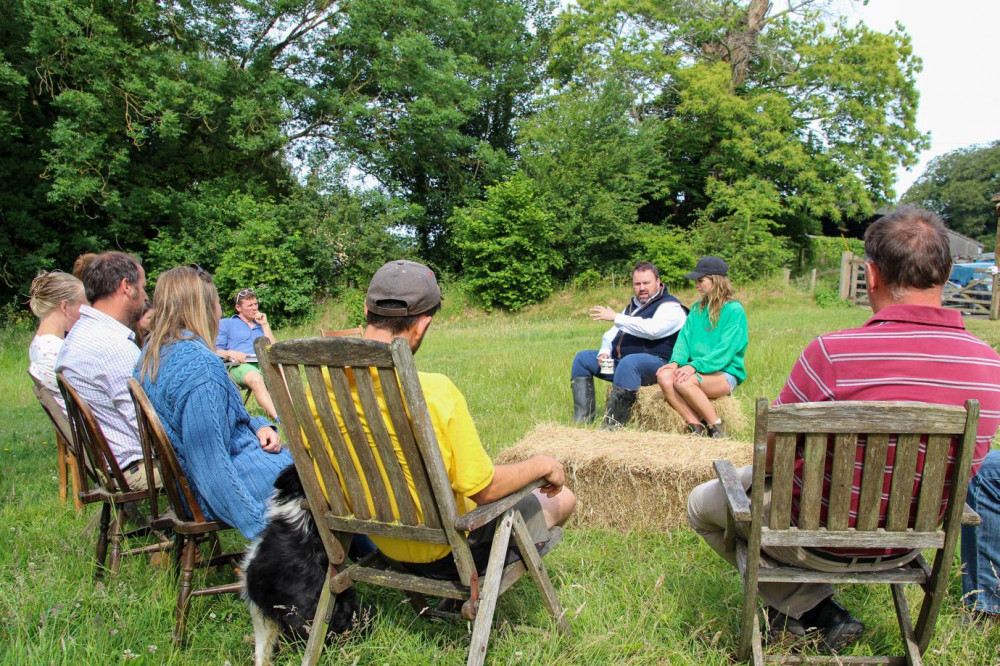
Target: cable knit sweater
214	436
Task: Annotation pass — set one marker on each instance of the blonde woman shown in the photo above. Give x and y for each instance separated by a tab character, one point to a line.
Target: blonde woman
230	457
707	361
56	298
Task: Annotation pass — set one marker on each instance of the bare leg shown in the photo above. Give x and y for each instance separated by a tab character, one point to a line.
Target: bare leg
665	378
699	395
556	509
255	381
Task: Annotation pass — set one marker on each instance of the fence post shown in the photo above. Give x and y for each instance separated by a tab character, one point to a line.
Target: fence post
812	280
786	274
845	274
995	294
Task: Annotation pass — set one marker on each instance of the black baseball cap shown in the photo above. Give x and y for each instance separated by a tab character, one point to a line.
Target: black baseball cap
403	281
708	266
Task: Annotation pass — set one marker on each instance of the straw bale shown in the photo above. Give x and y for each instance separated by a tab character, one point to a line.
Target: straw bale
651	412
628	479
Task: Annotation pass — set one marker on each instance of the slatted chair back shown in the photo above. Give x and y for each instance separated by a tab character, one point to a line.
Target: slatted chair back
66	450
156	445
905	480
341	333
389	399
91	445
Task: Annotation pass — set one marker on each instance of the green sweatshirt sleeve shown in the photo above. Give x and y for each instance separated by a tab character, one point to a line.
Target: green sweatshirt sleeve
730	343
680	355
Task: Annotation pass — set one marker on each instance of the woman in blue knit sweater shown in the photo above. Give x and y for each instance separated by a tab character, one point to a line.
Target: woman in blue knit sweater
230	457
707	360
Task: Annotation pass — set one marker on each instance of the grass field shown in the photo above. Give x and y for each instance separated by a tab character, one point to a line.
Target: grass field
639	598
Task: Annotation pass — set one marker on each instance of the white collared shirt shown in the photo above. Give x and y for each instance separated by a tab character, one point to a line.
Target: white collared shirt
668	318
97	358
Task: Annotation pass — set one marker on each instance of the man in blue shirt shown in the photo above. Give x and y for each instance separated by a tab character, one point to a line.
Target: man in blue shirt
235	344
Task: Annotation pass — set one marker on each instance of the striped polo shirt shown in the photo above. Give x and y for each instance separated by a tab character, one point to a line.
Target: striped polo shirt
905	352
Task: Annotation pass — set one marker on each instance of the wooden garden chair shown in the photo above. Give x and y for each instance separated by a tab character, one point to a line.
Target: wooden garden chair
342	333
812	427
383	374
104	482
184	516
65	454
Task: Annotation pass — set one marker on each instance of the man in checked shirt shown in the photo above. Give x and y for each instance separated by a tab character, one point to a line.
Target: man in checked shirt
912	349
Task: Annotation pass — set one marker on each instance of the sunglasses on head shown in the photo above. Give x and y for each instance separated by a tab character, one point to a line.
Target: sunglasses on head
245	293
201	271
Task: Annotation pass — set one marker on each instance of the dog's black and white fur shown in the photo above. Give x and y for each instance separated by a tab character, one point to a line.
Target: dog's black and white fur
284	569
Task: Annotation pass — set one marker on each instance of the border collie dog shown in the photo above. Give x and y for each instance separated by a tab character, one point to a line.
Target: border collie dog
284	569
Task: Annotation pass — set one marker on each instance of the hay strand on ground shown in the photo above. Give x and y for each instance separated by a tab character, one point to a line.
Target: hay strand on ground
651	412
627	479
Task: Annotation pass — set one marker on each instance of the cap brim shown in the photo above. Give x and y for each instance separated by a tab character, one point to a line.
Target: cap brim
694	275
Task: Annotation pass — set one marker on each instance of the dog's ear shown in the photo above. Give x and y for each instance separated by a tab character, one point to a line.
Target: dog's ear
288	483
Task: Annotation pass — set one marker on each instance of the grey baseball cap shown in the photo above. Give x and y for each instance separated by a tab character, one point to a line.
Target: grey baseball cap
403	281
708	266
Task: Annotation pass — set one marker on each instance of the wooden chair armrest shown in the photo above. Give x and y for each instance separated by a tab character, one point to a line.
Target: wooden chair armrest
970	517
483	514
736	497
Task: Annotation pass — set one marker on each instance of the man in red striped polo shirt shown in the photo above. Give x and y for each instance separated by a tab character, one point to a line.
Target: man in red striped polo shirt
911	349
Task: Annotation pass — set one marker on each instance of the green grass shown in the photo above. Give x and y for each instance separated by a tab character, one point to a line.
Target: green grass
638	598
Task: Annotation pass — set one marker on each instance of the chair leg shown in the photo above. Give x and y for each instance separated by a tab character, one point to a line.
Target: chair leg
74	475
906	626
117	531
490	590
190	552
538	573
102	538
934	592
321	622
62	462
750	644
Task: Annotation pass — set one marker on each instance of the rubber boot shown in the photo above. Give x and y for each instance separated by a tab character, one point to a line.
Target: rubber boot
584	404
620	401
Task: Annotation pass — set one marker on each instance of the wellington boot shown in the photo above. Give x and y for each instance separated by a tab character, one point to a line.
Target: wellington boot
619	408
584	404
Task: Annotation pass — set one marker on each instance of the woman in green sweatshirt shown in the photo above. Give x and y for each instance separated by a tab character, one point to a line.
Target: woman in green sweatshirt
707	361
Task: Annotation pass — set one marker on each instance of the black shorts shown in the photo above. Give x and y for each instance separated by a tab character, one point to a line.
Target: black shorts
481	541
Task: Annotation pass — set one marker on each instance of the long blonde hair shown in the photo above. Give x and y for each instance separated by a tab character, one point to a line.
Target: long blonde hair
183	309
50	288
721	293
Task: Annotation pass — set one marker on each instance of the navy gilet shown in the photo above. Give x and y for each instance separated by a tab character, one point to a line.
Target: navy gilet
626	343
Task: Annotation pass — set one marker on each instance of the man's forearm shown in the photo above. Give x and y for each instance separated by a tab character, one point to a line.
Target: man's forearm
508	478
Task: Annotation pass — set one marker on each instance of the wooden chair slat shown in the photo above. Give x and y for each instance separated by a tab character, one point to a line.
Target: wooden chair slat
781	481
383	444
404	435
867	417
345	465
842	477
814	463
310	448
317	351
359	441
904	471
307	459
872	479
932	480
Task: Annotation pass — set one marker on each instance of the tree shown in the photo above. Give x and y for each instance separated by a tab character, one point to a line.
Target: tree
958	186
821	112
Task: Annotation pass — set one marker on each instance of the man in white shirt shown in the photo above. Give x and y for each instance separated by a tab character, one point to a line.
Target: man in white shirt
99	354
640	341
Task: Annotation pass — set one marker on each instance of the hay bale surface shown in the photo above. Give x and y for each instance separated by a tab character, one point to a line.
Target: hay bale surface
651	412
628	479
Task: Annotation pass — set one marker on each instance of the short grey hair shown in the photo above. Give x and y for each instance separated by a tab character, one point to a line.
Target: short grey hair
910	248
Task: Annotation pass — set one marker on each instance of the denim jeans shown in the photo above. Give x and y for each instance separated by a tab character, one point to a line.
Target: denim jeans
631	372
981	544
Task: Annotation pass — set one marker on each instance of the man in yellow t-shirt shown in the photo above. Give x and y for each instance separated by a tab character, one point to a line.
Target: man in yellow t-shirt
402	299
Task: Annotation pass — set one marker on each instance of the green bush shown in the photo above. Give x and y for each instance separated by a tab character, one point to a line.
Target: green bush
824	252
506	242
670	249
830	298
738	225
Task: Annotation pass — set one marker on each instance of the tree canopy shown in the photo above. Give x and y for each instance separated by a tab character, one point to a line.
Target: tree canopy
958	186
324	135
